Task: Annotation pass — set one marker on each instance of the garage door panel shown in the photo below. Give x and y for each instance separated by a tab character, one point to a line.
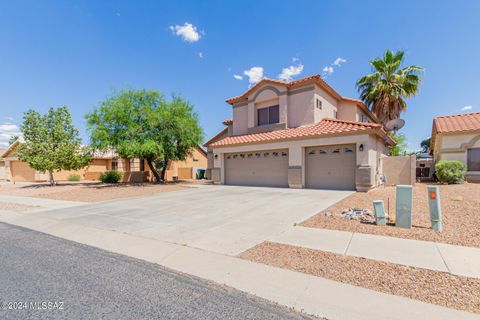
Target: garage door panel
330	167
257	168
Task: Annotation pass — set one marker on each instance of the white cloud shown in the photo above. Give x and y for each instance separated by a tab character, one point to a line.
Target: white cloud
7	130
254	74
466	108
200	55
328	70
339	61
188	32
295	59
238	77
290	72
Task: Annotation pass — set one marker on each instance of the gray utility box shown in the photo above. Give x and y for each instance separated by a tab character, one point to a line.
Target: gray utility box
403	207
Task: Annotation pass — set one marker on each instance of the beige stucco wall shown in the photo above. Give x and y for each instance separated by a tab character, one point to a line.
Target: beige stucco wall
399	170
455	146
240	120
370	156
347	110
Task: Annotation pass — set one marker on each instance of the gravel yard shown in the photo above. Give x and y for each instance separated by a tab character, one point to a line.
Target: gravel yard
429	286
460	208
89	192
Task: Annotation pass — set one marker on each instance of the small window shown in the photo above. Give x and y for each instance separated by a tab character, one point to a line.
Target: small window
312	152
473	159
114	165
268	115
335	114
195	160
266	154
422	165
322	151
242	156
284	154
275	154
363	118
228	157
348	150
250	155
319	104
336	150
258	154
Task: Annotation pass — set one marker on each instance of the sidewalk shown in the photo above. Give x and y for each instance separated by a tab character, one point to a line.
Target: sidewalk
42	203
457	260
312	295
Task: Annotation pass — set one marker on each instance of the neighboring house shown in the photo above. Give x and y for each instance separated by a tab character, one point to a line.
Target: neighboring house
457	137
3	171
134	170
298	134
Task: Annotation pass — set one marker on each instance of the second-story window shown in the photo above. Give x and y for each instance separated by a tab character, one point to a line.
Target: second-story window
363	118
319	104
268	115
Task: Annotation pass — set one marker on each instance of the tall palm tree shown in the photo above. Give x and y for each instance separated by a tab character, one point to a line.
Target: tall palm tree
384	91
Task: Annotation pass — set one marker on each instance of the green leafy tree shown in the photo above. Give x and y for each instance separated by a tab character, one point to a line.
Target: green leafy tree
425	145
52	142
142	124
400	147
385	90
12	140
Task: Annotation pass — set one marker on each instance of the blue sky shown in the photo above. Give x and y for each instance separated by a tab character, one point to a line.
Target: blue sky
76	52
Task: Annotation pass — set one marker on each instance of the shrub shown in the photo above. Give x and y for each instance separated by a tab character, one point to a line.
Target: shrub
73	177
110	176
450	171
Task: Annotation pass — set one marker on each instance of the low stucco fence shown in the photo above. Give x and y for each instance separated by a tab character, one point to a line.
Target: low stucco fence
399	170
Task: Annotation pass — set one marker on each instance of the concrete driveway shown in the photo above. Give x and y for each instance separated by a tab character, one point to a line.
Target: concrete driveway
223	219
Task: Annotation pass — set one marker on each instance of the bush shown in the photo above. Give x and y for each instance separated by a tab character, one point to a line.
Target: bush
450	171
73	177
110	176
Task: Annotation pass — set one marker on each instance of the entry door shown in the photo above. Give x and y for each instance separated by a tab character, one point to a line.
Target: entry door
330	167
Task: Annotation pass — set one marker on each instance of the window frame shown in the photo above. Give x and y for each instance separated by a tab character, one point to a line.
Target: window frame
476	164
268	111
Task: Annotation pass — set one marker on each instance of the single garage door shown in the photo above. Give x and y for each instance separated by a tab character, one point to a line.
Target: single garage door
330	167
257	168
21	171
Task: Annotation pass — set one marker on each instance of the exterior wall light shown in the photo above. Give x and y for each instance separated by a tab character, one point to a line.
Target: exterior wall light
360	147
216	156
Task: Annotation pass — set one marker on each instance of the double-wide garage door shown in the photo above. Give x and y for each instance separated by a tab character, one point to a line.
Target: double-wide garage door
330	167
257	168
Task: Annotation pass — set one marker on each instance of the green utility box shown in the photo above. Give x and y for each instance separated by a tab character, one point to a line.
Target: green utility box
433	193
200	174
403	207
380	216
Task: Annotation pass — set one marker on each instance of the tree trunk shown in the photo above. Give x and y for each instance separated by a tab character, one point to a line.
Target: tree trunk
164	169
154	171
50	177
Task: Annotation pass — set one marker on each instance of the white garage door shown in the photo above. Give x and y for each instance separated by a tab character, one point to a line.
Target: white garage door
330	167
257	168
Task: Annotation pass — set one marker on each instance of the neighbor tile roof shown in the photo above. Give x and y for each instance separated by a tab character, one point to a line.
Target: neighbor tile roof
324	127
457	123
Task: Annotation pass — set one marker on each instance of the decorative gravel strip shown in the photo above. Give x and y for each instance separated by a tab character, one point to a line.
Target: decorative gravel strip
429	286
460	207
91	192
17	207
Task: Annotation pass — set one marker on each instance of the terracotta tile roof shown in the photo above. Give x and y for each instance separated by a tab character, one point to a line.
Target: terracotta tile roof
324	127
215	137
457	123
314	79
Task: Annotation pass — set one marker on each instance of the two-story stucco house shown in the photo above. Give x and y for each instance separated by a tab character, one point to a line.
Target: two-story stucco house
298	134
457	137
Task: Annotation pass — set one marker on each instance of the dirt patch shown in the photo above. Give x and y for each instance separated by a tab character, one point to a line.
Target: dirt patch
429	286
17	207
90	192
460	208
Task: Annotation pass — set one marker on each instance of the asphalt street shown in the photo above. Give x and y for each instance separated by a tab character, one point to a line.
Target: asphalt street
44	277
